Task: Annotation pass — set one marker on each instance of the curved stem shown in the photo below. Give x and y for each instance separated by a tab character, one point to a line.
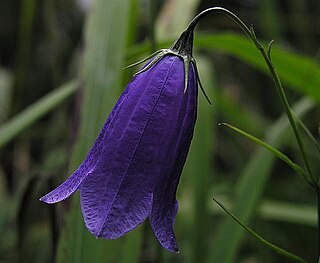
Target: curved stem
251	34
222	10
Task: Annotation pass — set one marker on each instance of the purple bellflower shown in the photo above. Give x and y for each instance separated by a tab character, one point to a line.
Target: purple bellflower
133	169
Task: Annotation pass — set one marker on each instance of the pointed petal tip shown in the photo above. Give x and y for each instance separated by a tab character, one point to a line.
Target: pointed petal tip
173	248
171	245
53	197
43	199
47	199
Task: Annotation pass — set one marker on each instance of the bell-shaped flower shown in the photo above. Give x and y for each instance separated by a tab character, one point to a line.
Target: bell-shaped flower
133	169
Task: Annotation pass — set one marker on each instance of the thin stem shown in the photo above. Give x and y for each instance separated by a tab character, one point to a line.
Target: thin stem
318	226
251	34
285	104
279	154
284	101
275	248
222	10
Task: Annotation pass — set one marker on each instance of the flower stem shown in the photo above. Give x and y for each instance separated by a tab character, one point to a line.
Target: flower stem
284	101
275	248
286	106
266	56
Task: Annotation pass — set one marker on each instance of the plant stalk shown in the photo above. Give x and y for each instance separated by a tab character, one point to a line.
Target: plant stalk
266	56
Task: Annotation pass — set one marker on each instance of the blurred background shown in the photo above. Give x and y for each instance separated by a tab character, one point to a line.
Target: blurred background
61	71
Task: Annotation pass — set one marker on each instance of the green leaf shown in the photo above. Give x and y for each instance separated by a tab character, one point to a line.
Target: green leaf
10	129
6	82
106	37
267	146
306	70
275	248
279	211
199	170
271	25
288	212
249	188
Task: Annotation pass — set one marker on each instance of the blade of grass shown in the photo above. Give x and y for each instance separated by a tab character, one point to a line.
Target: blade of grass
307	131
249	188
199	170
286	62
267	146
131	248
278	211
106	37
6	81
239	114
273	247
24	44
10	129
272	24
288	212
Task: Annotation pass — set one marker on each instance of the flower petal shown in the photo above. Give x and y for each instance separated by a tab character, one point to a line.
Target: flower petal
118	194
109	213
72	183
178	113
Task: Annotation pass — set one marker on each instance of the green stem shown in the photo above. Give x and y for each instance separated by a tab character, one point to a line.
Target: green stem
284	101
277	153
275	248
287	109
250	33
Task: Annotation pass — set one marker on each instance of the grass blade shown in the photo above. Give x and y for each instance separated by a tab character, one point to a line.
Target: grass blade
106	38
286	62
249	188
261	239
10	129
267	146
200	170
279	211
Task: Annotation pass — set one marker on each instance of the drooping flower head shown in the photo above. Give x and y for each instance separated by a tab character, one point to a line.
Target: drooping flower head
133	169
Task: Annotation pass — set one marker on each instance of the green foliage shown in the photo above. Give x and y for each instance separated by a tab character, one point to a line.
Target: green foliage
294	69
48	123
248	191
105	38
273	247
27	117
